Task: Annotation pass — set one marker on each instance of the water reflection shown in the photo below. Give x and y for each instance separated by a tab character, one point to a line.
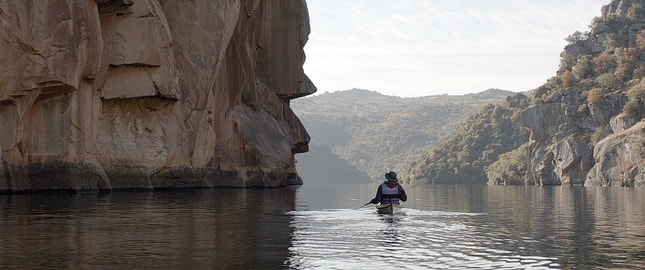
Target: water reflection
313	227
223	228
480	227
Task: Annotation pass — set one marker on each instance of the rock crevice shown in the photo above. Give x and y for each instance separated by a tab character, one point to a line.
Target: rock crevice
143	94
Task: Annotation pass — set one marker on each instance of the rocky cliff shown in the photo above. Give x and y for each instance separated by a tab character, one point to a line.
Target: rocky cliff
113	94
585	126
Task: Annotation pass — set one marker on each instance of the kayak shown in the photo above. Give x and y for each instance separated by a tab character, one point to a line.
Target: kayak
387	208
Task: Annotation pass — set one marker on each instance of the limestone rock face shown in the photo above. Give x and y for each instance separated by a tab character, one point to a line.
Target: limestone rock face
111	94
619	159
565	146
557	153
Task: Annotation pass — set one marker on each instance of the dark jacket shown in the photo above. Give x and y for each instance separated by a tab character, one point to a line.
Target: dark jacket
379	191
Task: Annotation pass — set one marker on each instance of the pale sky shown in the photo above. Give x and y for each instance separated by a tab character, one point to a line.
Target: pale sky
412	48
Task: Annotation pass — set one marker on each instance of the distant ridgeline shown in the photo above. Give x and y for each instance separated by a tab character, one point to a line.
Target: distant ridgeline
585	122
477	143
374	133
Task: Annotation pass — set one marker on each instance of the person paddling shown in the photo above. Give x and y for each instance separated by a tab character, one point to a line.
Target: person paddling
390	191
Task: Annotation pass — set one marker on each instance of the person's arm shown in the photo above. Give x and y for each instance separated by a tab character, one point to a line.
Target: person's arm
377	199
402	195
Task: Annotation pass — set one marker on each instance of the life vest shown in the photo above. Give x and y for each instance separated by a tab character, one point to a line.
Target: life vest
389	194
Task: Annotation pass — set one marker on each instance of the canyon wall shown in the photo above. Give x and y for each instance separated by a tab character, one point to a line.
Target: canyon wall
586	128
144	94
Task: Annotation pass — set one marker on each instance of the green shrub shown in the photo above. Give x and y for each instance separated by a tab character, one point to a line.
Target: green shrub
607	80
584	68
600	133
611	43
509	169
566	62
635	104
576	36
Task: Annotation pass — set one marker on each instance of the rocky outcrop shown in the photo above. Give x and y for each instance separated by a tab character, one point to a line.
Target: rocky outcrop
567	127
619	159
557	153
112	94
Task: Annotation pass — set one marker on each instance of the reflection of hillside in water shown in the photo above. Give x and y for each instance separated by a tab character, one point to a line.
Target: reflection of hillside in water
473	227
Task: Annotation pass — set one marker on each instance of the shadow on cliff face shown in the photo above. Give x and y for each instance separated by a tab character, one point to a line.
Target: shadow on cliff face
151	94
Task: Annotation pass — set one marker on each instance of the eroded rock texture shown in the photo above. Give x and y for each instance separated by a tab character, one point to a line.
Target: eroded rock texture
562	147
111	94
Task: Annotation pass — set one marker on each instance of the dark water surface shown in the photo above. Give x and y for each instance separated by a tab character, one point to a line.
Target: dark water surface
318	227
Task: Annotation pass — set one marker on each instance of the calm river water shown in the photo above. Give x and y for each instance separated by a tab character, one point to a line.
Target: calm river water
318	227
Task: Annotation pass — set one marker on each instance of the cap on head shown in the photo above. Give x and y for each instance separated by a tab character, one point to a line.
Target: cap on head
391	176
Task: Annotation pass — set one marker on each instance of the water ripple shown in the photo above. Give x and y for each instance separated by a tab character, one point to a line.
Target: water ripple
415	239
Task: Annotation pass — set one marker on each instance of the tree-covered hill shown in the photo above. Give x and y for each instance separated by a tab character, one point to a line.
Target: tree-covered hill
474	146
585	122
376	133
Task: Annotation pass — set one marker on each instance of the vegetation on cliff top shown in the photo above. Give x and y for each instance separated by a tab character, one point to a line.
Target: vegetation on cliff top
609	58
599	70
601	75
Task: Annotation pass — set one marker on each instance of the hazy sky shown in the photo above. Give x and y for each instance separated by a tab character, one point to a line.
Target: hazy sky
427	47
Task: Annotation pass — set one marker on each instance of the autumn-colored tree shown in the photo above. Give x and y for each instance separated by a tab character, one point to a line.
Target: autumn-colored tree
568	79
635	12
594	96
623	72
639	72
640	40
603	63
627	58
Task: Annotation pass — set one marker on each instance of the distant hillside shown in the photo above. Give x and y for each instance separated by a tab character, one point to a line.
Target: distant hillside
586	123
377	133
474	146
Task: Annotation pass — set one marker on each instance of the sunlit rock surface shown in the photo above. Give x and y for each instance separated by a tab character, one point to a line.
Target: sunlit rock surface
562	147
112	94
619	159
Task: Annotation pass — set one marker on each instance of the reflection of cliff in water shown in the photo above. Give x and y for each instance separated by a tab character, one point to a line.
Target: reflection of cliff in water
203	229
577	225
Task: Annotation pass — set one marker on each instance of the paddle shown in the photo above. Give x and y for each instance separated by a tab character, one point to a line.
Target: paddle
363	205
